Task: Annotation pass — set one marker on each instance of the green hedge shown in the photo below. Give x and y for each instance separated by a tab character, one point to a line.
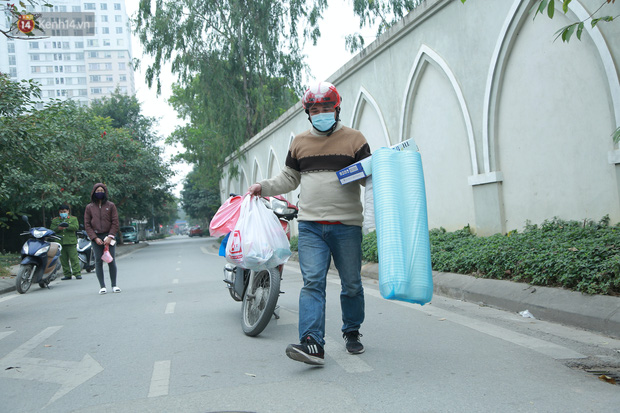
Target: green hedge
582	256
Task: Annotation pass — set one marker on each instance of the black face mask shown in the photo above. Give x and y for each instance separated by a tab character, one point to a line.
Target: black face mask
99	195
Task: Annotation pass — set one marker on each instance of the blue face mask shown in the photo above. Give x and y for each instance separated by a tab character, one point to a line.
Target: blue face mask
99	195
323	121
64	215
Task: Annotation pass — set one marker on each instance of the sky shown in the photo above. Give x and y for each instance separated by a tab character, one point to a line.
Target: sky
324	59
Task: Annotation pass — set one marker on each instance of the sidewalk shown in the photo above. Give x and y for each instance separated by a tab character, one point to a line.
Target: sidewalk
7	284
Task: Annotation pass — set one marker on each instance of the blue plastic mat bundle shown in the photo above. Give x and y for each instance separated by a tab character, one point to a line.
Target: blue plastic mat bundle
405	271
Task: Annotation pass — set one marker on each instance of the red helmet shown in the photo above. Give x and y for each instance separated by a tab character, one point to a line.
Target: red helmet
321	92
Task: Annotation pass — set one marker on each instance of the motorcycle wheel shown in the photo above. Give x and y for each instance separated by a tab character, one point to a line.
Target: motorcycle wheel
259	301
24	278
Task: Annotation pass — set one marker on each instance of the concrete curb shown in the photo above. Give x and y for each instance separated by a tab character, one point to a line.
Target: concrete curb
7	284
599	313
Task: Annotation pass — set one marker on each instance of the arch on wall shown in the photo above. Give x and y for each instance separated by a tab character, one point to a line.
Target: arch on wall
256	171
519	11
364	98
273	162
229	188
425	57
223	187
243	180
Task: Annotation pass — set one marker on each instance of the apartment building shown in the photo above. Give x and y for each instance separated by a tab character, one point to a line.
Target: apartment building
75	64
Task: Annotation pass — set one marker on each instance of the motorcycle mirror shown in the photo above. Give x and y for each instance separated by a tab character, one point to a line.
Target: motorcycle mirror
25	219
81	226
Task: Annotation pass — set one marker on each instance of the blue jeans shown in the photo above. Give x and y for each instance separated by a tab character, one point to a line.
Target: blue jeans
317	244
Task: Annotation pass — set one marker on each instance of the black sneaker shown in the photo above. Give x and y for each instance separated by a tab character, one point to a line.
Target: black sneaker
353	343
308	351
65	278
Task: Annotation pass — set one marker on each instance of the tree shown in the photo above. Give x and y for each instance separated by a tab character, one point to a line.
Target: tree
239	66
387	12
198	203
56	154
125	112
577	27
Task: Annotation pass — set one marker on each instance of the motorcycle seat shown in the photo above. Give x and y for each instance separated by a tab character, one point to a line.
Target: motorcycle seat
54	247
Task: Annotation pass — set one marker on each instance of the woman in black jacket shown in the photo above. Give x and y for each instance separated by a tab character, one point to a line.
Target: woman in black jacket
101	223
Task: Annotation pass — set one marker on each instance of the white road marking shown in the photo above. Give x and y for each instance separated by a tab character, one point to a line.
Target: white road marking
544	347
351	363
175	281
170	308
6	334
160	380
69	374
9	297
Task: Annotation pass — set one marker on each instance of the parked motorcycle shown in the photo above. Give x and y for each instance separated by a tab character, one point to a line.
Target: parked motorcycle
40	258
259	290
85	251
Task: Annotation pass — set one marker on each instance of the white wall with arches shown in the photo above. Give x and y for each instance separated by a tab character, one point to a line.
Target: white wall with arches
512	126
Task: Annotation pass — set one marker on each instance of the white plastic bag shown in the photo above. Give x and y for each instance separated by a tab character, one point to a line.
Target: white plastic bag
258	241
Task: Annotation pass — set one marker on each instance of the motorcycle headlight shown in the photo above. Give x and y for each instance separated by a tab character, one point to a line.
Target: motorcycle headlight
280	207
42	251
25	249
38	233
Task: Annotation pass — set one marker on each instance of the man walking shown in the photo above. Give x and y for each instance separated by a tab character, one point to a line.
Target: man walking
330	220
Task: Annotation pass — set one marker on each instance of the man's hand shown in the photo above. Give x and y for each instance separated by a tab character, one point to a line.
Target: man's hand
255	189
98	241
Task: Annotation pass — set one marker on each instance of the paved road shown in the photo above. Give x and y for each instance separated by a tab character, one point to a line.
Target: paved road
172	341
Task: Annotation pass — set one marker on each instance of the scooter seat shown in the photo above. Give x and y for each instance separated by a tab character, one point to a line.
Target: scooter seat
54	248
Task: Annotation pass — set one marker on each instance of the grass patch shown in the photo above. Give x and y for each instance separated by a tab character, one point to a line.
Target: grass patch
6	261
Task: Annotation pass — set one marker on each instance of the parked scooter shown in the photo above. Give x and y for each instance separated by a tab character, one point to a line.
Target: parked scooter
259	290
40	258
85	251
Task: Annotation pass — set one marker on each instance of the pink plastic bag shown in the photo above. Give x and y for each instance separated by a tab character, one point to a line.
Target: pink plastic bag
226	217
107	257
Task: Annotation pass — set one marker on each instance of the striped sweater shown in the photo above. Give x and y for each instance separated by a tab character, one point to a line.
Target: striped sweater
312	162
